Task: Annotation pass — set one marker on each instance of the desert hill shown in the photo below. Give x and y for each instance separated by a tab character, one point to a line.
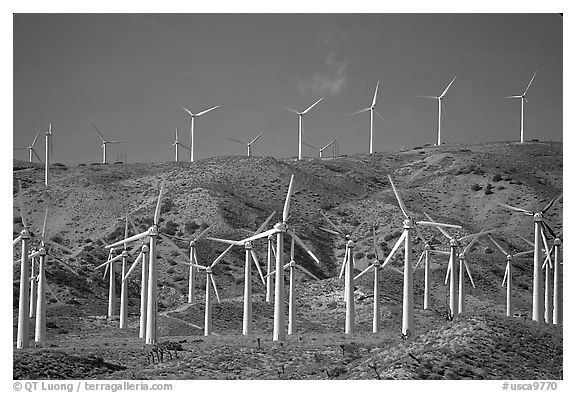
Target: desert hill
234	195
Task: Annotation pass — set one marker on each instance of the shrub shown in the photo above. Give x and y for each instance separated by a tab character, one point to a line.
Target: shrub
476	187
359	255
171	227
191	227
488	191
500	188
167	205
370	256
170	270
497	177
81	164
17	220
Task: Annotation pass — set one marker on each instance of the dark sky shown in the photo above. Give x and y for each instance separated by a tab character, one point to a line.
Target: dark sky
128	73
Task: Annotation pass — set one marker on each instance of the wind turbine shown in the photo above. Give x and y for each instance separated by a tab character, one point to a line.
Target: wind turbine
408	291
439	98
176	143
539	225
49	152
279	230
153	232
192	117
557	314
508	273
104	143
379	263
456	243
300	114
42	254
250	255
426	256
248	144
141	258
23	339
31	151
372	111
347	269
292	294
522	100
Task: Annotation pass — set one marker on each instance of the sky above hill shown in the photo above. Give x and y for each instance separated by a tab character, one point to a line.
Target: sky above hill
128	73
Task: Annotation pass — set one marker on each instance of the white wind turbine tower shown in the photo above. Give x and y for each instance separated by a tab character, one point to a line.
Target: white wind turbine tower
320	149
141	258
408	292
539	223
279	230
31	151
49	152
176	143
208	300
557	314
23	339
439	98
42	254
372	111
292	292
104	143
379	263
192	117
300	114
248	144
426	256
508	273
523	99
250	255
346	269
153	232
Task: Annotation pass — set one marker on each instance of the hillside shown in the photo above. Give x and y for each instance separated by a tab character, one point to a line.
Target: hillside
234	195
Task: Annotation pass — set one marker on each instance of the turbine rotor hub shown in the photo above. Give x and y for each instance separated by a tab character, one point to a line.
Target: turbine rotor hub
538	217
557	242
42	251
153	231
145	248
248	245
25	234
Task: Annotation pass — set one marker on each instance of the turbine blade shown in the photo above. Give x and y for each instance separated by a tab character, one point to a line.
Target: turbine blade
187	110
312	106
325	147
439	252
291	110
99	134
523	253
201	234
307	272
311	146
232	242
132	225
344	262
265	223
184	146
130	239
469	274
109	261
548	259
136	262
447	87
481	233
498	245
259	236
379	115
34	152
159	204
549	230
17	240
530	83
207	110
329	231
44	224
400	202
287	202
375	94
236	140
448	270
431	97
257	263
215	288
419	260
254	140
105	271
514	97
332	224
49	288
363	272
551	203
64	264
360	111
35	139
20	200
221	256
438	224
512	208
506	271
52	243
398	243
301	243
